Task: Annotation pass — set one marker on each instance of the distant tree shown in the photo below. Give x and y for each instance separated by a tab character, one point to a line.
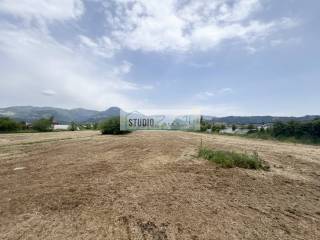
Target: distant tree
9	125
279	129
316	129
214	128
304	132
43	124
23	125
234	127
217	127
73	126
251	127
204	125
111	126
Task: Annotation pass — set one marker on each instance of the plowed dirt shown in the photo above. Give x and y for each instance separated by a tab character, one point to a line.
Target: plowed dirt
151	185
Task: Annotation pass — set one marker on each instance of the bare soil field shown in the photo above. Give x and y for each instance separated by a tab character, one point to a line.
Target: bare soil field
151	185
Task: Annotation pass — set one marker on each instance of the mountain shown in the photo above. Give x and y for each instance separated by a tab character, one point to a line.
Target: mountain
80	115
29	113
110	112
257	119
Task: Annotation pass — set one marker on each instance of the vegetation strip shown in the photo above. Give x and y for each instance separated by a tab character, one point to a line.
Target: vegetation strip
229	159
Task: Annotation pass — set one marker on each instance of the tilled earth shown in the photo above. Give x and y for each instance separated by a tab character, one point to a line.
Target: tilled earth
151	185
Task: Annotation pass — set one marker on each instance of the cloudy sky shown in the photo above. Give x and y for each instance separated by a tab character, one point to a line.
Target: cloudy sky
224	57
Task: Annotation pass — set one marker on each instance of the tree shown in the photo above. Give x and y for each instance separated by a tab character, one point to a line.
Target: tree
316	129
73	126
111	126
234	127
8	125
204	125
43	124
251	127
215	128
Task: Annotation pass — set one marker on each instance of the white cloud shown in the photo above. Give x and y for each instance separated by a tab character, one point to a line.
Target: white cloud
102	47
240	11
40	62
204	95
85	72
186	25
43	9
220	110
281	42
209	94
251	50
124	68
201	65
225	91
48	92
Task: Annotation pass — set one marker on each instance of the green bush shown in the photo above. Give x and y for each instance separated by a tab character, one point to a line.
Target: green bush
229	159
111	126
234	127
73	127
9	125
217	128
43	125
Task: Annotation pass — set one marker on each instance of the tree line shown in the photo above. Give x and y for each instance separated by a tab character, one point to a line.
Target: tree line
304	132
8	125
299	130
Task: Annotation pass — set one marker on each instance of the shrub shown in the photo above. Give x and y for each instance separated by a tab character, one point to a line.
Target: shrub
217	128
9	125
43	125
229	159
73	127
204	125
111	126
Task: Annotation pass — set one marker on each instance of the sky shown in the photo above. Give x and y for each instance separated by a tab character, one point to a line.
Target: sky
223	57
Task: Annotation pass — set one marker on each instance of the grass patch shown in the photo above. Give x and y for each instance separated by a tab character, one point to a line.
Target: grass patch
227	159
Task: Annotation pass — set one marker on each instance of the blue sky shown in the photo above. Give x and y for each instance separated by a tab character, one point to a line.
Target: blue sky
224	57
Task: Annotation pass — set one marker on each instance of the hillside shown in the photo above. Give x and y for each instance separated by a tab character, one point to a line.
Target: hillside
258	119
30	113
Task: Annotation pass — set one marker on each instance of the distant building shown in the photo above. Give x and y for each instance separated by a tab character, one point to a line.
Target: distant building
227	130
60	127
237	131
265	126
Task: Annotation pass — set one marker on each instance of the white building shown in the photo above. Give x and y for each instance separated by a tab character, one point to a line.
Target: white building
60	127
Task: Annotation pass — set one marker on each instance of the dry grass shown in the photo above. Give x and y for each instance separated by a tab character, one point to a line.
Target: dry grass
151	185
